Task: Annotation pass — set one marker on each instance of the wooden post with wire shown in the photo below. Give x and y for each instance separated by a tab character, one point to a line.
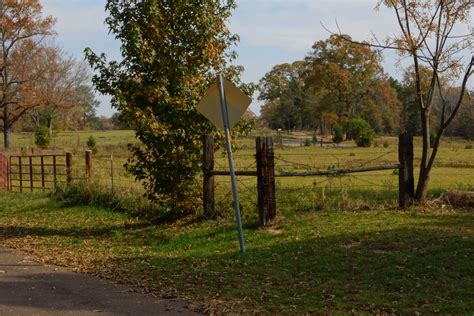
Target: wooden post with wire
208	178
69	168
88	165
265	180
406	182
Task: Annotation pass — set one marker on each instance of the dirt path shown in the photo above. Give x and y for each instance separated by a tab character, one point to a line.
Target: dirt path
28	288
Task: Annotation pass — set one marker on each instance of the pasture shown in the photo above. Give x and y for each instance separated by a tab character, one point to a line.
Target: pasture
454	169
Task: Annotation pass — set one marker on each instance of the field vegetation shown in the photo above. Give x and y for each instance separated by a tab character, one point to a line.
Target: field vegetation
454	169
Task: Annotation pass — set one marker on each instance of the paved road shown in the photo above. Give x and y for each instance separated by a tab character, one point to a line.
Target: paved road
27	288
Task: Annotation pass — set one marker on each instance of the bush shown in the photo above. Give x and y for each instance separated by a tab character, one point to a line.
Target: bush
42	138
338	135
307	143
91	144
95	194
468	146
362	133
385	144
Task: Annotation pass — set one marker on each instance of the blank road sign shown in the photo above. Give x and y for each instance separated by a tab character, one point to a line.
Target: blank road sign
237	104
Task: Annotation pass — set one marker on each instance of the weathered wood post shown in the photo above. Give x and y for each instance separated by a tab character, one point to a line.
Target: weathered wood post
406	181
265	180
208	178
88	165
69	168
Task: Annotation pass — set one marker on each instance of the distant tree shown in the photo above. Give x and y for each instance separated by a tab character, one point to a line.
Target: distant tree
463	124
22	29
338	134
283	93
347	80
119	122
337	81
60	85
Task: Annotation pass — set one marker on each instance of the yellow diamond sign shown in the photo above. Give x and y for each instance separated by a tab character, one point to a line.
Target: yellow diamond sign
236	100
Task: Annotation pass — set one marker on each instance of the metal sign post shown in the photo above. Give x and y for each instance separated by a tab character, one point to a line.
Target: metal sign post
225	117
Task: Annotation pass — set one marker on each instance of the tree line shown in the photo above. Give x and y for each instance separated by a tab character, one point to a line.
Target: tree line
341	82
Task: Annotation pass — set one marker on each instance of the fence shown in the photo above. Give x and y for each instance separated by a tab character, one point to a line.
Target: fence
267	187
37	172
4	172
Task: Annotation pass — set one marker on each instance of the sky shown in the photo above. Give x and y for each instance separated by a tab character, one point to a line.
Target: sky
271	31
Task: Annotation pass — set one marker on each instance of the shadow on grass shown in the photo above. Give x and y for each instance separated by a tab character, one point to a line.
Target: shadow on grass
21	231
403	270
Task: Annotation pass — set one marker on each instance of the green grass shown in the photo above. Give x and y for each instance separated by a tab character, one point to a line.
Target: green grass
454	169
322	262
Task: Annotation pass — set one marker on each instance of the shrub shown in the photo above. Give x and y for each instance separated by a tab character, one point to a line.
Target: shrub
307	143
338	135
385	144
362	132
42	138
468	146
91	144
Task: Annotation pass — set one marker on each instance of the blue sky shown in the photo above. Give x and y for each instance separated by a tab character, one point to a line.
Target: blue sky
271	31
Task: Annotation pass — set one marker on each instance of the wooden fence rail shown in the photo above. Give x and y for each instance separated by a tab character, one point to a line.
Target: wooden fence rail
265	173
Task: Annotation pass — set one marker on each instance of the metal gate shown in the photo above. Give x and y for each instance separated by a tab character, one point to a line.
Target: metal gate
39	172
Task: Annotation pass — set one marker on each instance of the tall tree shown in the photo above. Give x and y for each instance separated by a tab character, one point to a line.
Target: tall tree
59	84
22	29
428	36
283	91
435	35
170	50
343	76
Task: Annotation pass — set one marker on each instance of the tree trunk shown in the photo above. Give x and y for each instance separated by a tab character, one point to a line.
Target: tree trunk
6	128
6	136
424	176
50	127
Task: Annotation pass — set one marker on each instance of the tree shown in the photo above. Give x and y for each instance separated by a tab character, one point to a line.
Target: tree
427	37
337	81
342	76
431	36
283	91
60	84
171	51
22	29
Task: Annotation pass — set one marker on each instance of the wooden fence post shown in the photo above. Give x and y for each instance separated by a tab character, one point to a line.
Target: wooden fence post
265	180
208	178
69	168
406	181
88	165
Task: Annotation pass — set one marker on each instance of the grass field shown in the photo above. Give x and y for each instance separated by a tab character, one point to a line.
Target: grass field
339	245
309	262
454	169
